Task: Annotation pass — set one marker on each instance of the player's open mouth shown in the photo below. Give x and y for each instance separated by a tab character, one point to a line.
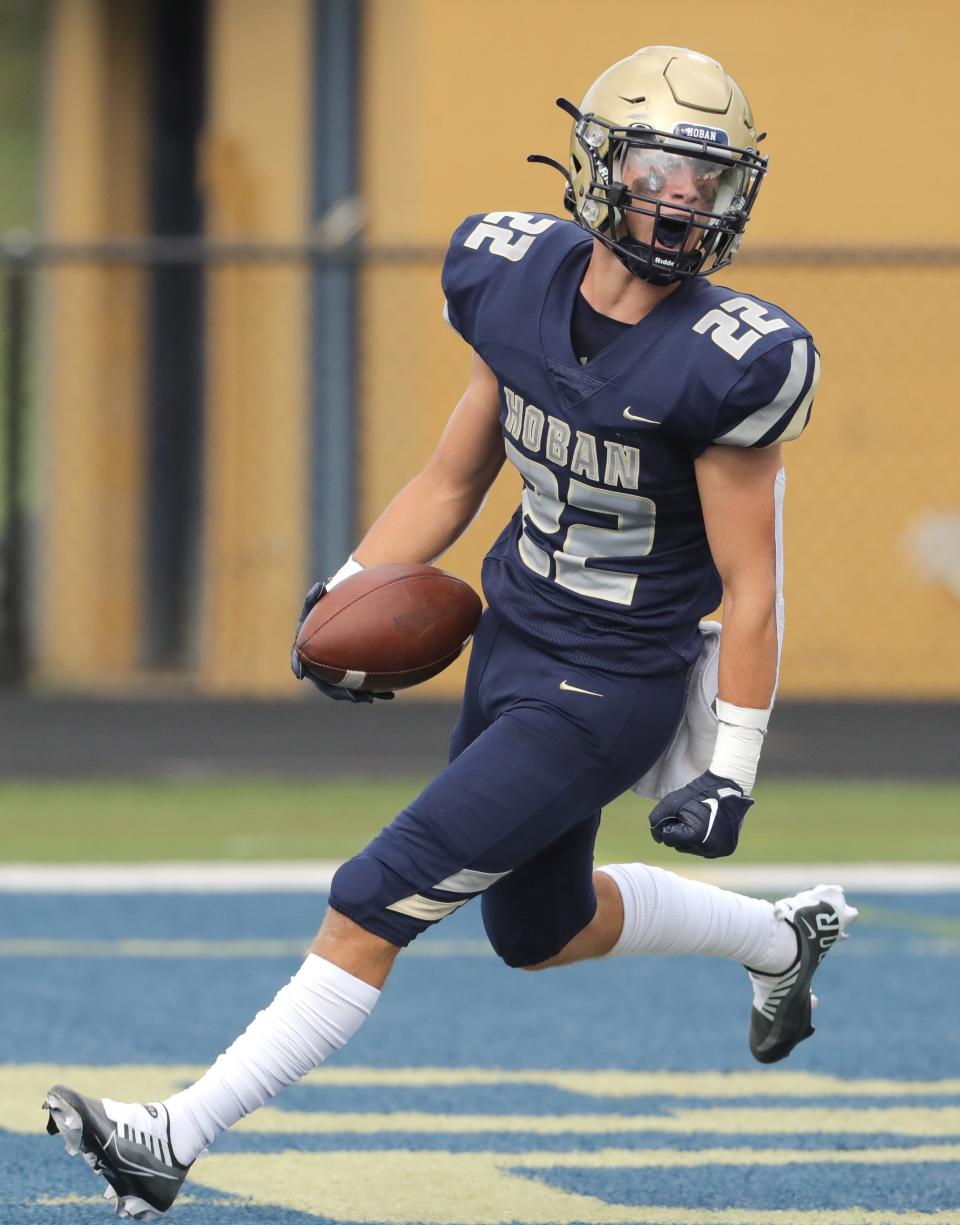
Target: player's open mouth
670	232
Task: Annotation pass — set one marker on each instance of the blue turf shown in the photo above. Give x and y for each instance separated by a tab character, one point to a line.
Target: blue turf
884	1013
34	1170
927	1187
569	1141
873	1006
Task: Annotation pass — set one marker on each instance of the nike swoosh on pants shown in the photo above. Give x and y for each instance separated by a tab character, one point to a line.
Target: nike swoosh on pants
573	689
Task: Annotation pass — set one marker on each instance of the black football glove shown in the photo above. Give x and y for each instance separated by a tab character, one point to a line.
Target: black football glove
339	694
703	818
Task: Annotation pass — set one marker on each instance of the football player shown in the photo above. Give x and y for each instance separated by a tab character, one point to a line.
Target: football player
644	409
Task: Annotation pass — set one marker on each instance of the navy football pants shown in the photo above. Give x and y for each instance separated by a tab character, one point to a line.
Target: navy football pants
541	746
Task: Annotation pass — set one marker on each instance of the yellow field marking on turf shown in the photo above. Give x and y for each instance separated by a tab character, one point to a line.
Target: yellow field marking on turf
729	1121
934	943
66	1201
84	1201
641	1159
409	1187
907	920
439	1188
25	1084
153	948
616	1082
42	947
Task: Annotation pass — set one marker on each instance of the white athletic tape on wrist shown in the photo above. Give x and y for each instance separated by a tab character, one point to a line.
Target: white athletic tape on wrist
350	566
743	716
737	753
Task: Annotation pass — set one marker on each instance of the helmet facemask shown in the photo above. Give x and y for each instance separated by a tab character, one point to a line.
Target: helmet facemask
670	207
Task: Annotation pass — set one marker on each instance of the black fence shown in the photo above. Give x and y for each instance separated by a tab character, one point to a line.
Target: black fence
883	316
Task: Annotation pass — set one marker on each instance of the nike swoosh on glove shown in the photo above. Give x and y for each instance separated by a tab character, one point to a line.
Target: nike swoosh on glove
339	694
703	818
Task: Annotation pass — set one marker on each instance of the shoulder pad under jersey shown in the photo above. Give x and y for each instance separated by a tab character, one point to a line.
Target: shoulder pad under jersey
505	252
773	400
765	365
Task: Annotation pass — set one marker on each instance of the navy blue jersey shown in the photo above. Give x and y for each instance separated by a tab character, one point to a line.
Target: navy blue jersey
606	561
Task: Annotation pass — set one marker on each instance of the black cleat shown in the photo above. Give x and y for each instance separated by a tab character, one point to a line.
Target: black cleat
142	1173
783	1003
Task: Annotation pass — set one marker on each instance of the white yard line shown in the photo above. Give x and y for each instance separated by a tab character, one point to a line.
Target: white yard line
315	877
212	877
865	877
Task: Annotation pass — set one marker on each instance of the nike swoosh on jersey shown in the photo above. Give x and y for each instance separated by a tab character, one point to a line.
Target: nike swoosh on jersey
636	416
573	689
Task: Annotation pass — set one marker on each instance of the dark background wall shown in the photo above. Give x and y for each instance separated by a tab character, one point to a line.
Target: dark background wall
60	737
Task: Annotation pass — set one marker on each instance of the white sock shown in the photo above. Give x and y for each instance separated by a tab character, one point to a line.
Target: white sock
315	1014
665	913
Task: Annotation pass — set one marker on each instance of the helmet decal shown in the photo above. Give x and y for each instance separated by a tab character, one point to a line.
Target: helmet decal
716	136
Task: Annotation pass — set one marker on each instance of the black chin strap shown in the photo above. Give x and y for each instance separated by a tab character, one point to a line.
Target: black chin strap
637	258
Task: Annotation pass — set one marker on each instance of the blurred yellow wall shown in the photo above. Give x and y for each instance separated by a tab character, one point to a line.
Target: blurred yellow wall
256	186
858	102
94	320
857	98
256	169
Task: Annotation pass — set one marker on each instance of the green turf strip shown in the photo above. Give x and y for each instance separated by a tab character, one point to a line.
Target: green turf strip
838	822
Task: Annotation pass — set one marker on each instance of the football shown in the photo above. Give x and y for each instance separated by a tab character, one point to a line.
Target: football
388	627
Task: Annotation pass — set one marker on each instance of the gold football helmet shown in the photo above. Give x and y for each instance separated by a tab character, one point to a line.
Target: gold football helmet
664	167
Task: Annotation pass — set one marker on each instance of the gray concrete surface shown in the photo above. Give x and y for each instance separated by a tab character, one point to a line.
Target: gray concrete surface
67	737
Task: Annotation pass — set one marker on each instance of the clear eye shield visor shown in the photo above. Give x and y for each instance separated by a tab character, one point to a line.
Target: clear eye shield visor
674	197
674	201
